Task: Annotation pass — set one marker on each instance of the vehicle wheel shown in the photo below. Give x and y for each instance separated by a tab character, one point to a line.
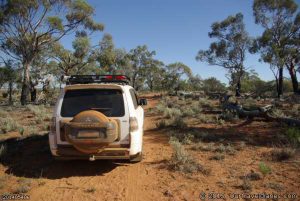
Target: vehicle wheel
137	158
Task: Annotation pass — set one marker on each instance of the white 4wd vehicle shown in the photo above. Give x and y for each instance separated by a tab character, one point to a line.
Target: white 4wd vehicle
97	117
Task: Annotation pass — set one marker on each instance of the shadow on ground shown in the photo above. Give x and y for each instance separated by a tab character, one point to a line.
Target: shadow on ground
30	157
253	134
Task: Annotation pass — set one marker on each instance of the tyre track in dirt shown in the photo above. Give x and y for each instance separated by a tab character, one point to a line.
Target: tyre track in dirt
98	180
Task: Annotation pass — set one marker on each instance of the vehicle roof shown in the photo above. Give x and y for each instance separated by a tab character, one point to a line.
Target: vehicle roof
97	86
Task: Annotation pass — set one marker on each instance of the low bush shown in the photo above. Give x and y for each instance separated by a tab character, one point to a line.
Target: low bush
253	176
181	160
264	169
204	147
178	122
188	112
161	124
217	156
246	185
221	148
293	135
280	154
8	124
172	113
24	186
204	102
40	111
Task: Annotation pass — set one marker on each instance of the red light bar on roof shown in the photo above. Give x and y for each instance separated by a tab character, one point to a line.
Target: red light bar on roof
121	77
115	77
109	77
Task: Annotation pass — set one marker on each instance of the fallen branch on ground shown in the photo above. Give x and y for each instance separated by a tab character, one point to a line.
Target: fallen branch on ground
262	112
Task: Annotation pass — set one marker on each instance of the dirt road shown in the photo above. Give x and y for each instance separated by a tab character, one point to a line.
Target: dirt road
148	180
99	180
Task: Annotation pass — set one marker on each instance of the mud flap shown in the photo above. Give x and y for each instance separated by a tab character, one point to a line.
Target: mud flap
136	158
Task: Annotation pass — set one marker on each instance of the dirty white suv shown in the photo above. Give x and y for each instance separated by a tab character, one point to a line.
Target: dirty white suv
97	117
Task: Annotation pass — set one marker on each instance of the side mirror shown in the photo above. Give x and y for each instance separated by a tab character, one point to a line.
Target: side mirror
142	101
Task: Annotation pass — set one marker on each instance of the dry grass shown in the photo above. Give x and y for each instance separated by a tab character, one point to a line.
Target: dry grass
182	161
23	187
8	124
90	190
281	154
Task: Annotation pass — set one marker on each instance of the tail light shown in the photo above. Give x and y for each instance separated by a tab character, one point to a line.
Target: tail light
133	124
53	125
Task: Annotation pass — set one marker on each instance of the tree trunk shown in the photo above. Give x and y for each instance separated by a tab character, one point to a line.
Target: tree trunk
25	85
32	91
294	79
238	88
10	88
280	83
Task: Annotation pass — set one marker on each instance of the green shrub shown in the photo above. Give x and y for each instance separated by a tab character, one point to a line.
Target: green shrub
31	130
8	124
181	160
160	107
178	123
293	135
264	169
188	138
277	113
196	107
172	113
221	148
21	130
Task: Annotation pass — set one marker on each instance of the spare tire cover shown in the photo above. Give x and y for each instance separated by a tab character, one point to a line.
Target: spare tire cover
90	131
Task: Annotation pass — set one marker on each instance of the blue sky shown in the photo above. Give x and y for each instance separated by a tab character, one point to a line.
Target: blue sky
175	29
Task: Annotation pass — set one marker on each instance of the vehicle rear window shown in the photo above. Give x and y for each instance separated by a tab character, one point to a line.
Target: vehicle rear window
108	101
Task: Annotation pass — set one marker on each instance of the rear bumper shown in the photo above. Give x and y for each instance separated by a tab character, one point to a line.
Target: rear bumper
112	151
68	152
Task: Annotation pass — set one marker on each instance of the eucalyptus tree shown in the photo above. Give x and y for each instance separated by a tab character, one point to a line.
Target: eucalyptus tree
139	59
154	74
76	61
230	48
279	43
106	54
29	27
8	75
175	72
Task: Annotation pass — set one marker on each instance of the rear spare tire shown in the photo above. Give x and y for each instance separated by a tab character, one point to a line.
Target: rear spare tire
90	131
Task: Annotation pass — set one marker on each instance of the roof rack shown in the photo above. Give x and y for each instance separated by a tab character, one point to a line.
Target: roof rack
87	79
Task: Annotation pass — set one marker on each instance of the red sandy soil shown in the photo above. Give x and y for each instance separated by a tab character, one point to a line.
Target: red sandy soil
152	178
